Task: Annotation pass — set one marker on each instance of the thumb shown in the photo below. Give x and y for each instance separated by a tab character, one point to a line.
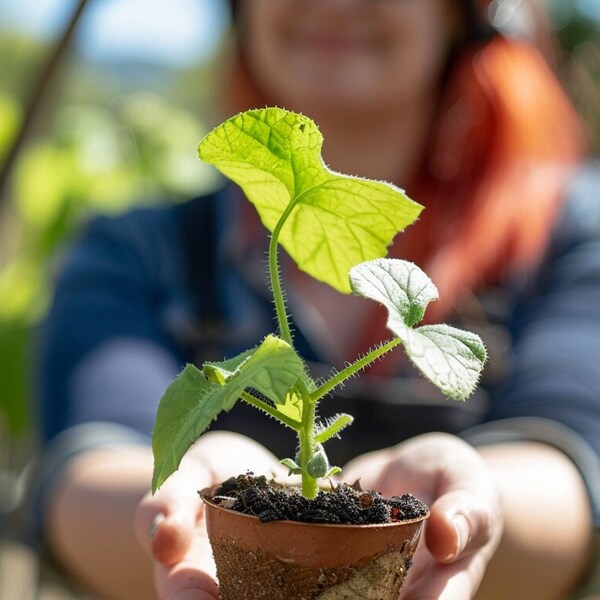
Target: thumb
165	523
459	524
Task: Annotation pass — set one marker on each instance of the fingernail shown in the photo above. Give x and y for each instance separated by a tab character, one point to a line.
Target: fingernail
155	523
463	533
194	595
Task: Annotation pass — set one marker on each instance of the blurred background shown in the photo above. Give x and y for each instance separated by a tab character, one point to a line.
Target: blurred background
102	105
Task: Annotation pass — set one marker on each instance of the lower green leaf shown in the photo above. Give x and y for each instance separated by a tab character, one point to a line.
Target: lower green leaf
193	401
187	408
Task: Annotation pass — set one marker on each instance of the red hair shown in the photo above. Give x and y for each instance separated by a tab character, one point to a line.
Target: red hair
505	139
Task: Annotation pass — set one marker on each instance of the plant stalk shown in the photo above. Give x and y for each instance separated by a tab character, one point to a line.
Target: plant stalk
275	278
306	437
306	431
352	369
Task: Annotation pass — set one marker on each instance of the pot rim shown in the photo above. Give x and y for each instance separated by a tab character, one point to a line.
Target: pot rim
206	498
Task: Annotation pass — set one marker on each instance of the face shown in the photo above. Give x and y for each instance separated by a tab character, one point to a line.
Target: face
310	55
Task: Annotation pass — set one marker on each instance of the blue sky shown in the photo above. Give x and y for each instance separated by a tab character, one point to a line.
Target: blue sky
590	9
174	32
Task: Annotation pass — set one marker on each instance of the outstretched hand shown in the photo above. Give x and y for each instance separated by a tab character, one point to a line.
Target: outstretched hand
465	525
170	524
460	537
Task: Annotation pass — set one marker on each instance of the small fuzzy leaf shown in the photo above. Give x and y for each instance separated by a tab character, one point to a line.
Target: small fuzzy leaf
318	464
192	402
336	424
450	358
333	471
402	287
337	220
293	468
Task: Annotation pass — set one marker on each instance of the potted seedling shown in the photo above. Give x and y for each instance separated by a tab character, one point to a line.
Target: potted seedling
336	228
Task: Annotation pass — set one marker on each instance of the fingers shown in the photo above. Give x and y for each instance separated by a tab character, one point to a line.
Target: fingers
192	578
456	581
466	514
166	522
465	522
169	527
460	523
449	475
187	584
169	524
170	538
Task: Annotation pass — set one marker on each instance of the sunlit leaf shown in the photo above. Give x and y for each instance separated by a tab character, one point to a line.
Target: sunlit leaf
293	468
337	220
292	407
402	287
450	358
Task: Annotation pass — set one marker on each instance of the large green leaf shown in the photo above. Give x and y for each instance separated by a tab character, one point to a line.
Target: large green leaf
450	358
193	401
337	221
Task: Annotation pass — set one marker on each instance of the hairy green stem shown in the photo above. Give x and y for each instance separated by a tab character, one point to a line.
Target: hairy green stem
306	429
353	368
306	437
275	278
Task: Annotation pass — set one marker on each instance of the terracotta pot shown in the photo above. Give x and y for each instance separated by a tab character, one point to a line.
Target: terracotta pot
287	560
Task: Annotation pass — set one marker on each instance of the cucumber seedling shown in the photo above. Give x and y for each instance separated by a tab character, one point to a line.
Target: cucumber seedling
337	228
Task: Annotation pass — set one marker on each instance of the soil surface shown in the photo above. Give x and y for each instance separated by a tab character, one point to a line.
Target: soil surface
343	504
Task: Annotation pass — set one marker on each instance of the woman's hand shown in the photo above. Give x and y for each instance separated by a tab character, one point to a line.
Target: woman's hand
460	537
465	525
170	524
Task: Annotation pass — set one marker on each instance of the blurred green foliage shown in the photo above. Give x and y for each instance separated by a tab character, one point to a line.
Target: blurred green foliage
90	159
96	161
10	118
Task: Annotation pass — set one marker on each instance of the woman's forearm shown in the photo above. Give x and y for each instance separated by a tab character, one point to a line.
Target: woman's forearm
546	544
90	522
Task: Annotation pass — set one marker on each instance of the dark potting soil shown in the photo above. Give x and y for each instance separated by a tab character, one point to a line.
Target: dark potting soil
343	504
